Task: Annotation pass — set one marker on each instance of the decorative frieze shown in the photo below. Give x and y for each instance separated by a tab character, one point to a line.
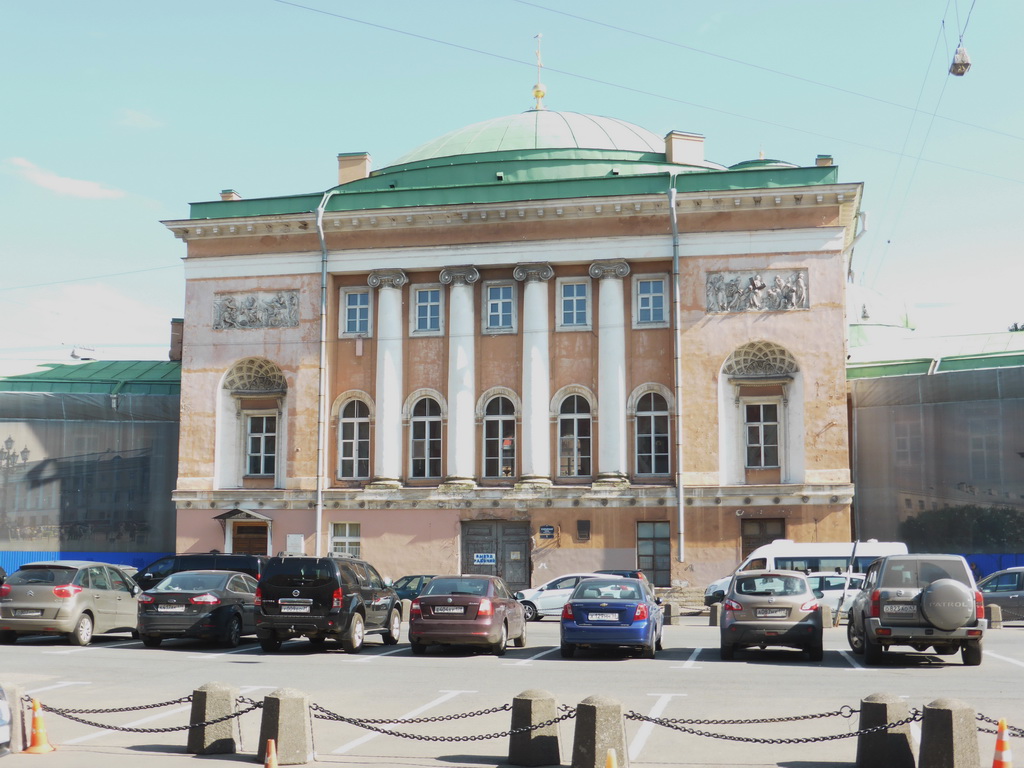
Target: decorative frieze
610	269
459	275
255	309
767	291
533	272
387	278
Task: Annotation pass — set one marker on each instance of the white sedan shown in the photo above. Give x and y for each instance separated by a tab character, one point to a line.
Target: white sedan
548	599
835	587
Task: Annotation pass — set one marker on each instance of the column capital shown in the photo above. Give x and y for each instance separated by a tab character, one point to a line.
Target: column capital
533	272
459	275
610	269
387	278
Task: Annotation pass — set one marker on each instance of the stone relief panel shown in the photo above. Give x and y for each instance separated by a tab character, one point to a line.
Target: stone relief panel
257	309
767	291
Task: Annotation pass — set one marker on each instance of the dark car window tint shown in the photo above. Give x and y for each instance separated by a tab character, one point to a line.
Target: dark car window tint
161	568
373	578
300	573
250	584
348	573
500	590
197	563
238	584
98	578
41	576
1004	582
568	583
456	587
117	581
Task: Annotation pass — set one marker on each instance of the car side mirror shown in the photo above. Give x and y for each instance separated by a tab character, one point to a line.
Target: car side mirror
388	582
136	590
520	595
818	594
657	601
719	595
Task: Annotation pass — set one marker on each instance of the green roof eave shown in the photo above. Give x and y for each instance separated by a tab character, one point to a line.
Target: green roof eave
137	377
979	362
896	368
453	190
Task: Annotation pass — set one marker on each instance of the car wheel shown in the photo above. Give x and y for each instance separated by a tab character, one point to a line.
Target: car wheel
872	650
854	638
394	628
352	641
270	644
657	643
151	641
8	637
418	649
647	652
82	633
520	642
530	612
498	648
971	654
815	651
727	652
233	633
568	650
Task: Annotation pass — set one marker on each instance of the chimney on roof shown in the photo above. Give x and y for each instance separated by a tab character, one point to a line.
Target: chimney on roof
229	194
823	161
353	166
177	334
684	148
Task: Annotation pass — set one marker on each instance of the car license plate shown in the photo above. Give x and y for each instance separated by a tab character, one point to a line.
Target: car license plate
604	617
294	609
170	608
28	612
771	613
449	609
900	608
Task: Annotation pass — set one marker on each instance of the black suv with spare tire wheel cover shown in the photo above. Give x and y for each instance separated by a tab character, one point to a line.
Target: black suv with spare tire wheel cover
922	601
341	598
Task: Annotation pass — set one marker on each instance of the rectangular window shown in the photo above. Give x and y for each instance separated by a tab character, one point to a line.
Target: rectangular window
356	316
762	428
650	301
345	539
500	307
427	311
573	304
261	445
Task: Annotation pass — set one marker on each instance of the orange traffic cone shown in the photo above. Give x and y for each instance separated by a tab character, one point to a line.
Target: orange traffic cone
1003	758
40	744
271	761
612	760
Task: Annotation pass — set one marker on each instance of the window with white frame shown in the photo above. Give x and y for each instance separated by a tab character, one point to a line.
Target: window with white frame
356	318
425	447
354	441
499	438
499	314
650	301
761	421
427	316
345	539
574	437
260	444
652	441
573	304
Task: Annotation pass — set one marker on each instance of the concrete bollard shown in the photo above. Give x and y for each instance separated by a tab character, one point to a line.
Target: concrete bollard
287	721
406	609
599	727
210	702
669	614
995	616
17	722
949	735
715	617
826	616
892	747
538	746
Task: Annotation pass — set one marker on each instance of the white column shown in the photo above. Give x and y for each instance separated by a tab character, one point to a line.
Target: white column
461	375
611	371
387	449
535	456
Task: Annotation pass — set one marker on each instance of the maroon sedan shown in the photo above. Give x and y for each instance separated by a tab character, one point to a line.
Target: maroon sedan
466	610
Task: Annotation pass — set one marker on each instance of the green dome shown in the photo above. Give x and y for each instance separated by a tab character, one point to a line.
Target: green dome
539	129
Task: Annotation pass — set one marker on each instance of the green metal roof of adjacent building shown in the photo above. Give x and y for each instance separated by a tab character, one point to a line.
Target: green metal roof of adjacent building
533	156
138	377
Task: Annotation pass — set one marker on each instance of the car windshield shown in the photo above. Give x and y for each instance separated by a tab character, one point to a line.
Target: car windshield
608	589
771	585
191	582
917	574
456	586
42	575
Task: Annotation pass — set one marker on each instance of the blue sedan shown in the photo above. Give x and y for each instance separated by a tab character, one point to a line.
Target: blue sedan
613	612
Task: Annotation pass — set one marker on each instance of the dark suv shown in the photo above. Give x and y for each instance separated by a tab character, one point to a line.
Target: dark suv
157	571
321	597
923	601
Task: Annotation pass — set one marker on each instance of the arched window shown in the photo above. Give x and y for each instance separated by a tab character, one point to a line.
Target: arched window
499	438
354	441
652	441
574	437
251	437
425	453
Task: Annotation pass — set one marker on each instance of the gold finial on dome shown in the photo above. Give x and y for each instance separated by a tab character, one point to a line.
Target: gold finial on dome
538	90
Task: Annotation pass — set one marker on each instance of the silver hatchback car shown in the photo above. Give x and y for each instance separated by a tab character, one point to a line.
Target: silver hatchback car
69	597
776	608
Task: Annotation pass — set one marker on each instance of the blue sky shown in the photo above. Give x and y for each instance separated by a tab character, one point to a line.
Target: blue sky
119	114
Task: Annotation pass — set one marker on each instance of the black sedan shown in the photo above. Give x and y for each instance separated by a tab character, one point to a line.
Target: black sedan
210	605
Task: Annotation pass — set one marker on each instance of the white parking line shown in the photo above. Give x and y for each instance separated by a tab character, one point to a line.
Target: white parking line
688	664
363	739
526	662
95	647
224	653
857	666
34	691
371	656
1004	658
644	732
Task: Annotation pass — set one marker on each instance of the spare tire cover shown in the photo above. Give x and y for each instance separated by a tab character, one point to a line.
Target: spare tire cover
947	604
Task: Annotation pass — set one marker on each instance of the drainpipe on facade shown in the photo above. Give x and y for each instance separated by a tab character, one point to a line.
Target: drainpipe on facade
677	360
321	400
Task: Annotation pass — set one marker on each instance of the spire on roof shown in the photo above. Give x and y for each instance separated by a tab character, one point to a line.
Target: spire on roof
538	89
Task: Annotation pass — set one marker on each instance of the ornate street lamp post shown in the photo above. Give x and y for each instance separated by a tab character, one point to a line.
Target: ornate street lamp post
8	462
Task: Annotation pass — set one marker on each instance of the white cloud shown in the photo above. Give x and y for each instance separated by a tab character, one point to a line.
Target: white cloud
62	185
131	118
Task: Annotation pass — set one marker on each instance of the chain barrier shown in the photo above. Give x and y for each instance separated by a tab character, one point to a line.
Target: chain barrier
1012	729
845	711
72	714
915	715
371	725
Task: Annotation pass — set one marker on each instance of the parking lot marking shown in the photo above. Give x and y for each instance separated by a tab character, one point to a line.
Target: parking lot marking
857	666
371	656
95	647
430	705
526	662
688	664
1004	658
644	732
34	691
224	653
